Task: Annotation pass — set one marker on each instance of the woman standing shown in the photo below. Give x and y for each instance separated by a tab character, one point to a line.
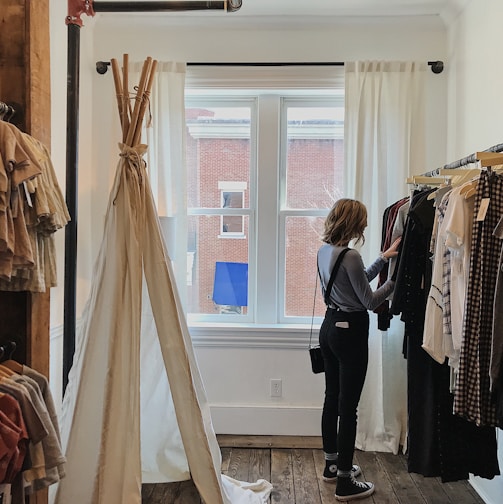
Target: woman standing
344	340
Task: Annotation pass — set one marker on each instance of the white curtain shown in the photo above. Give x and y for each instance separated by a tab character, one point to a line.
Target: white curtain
164	134
135	407
384	144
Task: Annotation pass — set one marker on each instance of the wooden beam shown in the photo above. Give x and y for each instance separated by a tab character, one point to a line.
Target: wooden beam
243	441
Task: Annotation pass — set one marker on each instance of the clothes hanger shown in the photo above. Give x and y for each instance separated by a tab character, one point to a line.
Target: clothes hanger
10	363
419	179
6	112
461	175
490	158
5	372
469	188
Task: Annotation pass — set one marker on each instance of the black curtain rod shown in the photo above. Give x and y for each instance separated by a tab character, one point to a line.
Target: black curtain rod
230	5
472	158
436	66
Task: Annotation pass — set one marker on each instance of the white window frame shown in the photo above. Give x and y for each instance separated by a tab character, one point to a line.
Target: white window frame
200	100
234	187
284	212
266	86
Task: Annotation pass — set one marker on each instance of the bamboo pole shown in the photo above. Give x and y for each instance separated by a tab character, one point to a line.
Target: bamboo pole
144	102
126	104
131	126
138	99
118	90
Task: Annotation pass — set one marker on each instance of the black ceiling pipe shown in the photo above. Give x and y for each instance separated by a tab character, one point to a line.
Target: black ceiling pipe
230	5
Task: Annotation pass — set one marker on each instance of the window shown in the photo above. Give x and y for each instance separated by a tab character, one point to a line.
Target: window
264	168
232	196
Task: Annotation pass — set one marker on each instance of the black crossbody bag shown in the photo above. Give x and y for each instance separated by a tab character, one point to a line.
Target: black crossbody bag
317	364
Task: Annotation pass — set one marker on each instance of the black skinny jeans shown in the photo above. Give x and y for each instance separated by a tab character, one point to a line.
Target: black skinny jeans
344	346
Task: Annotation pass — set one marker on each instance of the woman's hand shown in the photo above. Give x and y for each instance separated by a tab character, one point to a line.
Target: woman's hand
393	250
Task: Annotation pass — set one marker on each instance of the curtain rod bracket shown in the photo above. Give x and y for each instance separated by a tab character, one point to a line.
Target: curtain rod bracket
436	66
76	8
102	67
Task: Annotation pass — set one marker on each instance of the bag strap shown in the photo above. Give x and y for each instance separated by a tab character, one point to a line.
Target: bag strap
328	290
314	305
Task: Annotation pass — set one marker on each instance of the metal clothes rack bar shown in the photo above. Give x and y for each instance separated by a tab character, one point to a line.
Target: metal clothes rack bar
76	8
7	350
472	158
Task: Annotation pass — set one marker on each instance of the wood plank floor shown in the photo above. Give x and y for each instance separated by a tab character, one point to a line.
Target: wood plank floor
295	473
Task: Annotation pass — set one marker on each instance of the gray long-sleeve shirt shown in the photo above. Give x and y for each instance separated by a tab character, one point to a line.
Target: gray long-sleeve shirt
351	290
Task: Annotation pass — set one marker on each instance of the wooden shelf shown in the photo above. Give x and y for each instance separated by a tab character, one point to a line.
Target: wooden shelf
25	85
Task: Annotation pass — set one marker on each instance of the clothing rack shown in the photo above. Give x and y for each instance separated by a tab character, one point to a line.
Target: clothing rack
472	158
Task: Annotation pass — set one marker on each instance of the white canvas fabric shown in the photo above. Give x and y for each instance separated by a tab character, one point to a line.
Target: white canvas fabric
383	145
118	355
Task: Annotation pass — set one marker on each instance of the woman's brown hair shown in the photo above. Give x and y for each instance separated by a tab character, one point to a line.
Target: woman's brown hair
346	220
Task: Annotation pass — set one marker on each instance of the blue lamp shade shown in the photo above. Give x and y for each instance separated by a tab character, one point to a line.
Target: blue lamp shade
231	284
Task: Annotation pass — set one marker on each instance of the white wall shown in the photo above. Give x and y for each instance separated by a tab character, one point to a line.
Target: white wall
474	116
237	378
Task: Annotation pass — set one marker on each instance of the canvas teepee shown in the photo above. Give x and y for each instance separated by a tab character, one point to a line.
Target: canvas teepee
113	408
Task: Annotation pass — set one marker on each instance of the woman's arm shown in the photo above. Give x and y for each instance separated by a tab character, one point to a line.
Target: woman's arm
360	283
373	270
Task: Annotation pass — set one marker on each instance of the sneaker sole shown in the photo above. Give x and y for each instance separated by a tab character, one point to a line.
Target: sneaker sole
362	495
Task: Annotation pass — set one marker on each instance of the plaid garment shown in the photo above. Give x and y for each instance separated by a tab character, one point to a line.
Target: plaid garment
472	398
446	277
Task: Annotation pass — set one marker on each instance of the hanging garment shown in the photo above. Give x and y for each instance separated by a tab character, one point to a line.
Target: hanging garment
32	208
439	443
389	220
38	461
458	228
102	408
472	399
14	438
497	344
437	340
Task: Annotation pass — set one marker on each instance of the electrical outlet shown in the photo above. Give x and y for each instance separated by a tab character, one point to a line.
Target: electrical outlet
276	388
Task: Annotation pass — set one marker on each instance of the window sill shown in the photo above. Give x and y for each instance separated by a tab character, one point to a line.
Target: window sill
285	336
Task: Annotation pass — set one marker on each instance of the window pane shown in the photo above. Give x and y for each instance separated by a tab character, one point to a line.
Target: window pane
217	149
315	156
300	262
216	268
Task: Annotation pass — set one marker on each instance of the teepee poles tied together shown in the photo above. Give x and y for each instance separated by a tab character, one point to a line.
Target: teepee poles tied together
132	119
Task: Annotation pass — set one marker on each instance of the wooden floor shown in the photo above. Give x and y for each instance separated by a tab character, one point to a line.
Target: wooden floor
295	473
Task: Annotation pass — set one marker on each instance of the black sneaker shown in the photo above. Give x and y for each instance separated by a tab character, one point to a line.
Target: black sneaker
330	472
349	489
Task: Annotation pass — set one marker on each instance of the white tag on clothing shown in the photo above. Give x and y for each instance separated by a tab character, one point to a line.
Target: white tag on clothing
484	205
342	325
27	194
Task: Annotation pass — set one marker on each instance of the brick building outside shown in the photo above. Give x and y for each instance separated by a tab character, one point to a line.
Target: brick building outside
218	163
